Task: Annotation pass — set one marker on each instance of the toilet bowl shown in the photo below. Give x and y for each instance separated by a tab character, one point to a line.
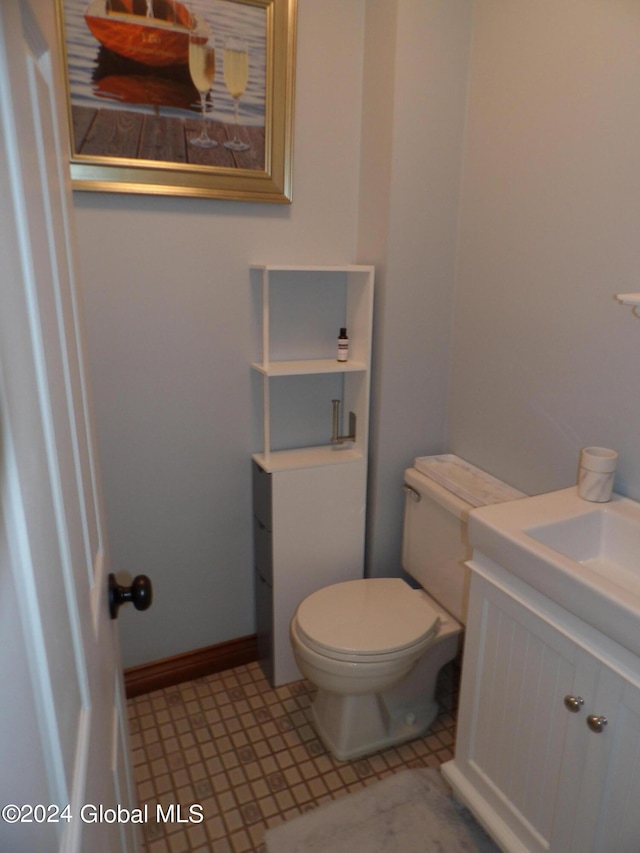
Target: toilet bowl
374	647
345	643
343	634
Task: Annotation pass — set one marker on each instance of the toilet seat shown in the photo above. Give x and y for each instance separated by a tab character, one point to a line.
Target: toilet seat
370	620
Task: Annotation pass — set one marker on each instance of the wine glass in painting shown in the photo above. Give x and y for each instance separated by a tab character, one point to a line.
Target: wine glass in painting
236	76
202	67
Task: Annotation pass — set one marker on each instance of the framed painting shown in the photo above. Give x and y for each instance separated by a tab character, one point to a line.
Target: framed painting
181	97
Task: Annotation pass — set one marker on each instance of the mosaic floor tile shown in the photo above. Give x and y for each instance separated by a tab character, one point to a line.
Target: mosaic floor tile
227	756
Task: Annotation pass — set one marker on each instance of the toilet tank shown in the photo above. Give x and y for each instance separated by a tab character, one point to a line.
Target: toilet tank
440	492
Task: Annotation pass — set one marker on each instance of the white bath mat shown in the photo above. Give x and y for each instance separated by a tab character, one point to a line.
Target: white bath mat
410	812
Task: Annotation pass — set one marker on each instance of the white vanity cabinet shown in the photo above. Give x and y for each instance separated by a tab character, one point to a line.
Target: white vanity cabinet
309	492
535	760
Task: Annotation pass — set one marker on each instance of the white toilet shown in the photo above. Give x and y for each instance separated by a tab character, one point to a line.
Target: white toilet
374	647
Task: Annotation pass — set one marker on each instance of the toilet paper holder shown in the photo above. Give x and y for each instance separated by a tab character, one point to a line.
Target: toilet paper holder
336	438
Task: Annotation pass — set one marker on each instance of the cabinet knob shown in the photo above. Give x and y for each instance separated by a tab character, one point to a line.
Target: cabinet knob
573	703
596	724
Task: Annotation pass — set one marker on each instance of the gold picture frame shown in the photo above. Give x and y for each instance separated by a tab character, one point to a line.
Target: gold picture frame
135	114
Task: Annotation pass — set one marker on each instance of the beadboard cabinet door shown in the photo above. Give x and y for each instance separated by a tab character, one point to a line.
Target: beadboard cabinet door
605	767
548	744
513	726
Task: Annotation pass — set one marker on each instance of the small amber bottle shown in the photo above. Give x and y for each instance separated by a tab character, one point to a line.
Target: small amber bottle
343	345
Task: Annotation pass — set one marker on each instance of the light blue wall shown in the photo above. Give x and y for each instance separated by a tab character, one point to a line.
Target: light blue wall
169	315
416	55
545	361
532	229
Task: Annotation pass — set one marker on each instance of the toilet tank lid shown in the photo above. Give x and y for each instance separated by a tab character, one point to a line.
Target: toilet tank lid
473	485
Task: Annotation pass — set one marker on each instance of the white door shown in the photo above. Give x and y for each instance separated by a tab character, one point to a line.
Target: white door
63	744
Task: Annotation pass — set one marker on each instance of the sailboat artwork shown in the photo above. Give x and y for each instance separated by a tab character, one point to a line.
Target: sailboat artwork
190	88
152	32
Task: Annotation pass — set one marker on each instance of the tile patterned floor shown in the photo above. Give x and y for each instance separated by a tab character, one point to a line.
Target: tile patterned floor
248	754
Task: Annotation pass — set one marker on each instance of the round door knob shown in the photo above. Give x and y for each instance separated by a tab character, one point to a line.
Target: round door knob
573	703
596	724
140	594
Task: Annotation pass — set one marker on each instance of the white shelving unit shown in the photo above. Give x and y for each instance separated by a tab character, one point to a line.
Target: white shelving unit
309	493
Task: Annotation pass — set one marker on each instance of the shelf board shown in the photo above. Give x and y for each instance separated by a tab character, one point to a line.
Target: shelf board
365	268
307	366
307	457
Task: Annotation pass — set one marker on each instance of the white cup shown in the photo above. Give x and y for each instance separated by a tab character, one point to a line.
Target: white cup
596	473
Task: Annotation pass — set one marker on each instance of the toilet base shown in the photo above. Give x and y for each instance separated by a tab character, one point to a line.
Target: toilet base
351	726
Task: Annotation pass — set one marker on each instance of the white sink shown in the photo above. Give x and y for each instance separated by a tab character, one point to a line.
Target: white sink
583	555
605	540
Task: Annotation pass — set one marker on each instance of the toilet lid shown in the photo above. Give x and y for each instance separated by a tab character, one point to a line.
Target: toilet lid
366	617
